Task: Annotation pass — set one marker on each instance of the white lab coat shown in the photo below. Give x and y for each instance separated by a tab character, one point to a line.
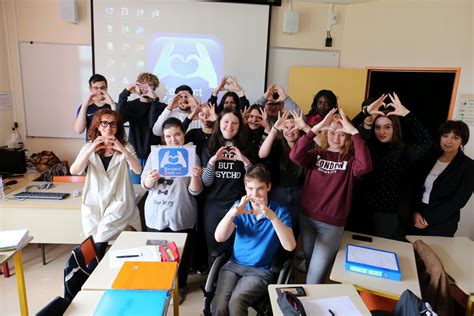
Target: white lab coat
108	200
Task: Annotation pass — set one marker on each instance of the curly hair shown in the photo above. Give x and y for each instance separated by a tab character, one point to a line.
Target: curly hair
93	132
152	80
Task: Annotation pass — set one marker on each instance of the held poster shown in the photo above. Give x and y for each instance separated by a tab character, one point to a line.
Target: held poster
172	161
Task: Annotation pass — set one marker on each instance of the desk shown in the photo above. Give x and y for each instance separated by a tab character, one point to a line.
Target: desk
321	291
103	276
379	286
50	221
456	254
20	277
84	303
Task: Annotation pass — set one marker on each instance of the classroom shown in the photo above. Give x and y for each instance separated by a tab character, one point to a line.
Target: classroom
367	33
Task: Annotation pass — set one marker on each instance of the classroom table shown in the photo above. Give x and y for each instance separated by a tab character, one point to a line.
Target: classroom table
375	285
456	254
104	275
20	276
320	291
50	221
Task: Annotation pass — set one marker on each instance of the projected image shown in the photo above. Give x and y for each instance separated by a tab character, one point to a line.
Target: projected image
191	59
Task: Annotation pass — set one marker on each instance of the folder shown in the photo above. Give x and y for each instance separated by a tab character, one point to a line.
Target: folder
372	261
132	302
146	276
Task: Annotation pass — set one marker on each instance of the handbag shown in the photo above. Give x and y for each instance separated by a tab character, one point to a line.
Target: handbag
290	305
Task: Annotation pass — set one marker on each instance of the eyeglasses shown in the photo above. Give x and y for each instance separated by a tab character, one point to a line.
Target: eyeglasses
165	181
112	124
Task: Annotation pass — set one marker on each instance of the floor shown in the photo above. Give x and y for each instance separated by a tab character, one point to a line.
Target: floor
45	282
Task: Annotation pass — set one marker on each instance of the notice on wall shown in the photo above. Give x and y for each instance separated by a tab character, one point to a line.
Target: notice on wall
466	109
5	101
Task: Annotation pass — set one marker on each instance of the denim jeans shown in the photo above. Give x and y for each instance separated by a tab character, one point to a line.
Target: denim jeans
320	244
289	198
238	287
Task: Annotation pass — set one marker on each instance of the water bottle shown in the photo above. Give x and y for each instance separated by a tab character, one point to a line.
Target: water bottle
2	193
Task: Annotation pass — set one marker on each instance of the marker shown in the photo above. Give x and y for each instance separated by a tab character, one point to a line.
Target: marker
331	312
128	256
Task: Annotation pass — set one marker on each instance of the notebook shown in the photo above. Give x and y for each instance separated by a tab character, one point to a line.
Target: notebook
132	302
12	239
146	276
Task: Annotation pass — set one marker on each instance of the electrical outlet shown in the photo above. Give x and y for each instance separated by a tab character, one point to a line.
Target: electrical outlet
16	124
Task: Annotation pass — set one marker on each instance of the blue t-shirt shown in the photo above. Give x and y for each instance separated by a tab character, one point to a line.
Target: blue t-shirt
256	242
91	109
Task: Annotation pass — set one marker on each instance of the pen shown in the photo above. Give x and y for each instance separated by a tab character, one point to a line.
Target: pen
331	312
127	256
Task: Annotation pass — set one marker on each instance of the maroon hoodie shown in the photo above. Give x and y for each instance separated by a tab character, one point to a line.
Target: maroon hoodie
327	191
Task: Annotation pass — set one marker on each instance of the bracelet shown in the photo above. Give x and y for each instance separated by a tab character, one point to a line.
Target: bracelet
277	130
364	110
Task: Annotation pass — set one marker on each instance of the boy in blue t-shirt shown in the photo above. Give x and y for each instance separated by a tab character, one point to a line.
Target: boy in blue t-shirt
260	226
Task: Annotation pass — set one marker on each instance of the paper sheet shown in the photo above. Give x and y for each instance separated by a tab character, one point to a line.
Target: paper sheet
372	257
147	253
339	305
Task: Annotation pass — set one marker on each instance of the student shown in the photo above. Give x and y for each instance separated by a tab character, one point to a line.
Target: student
261	227
234	98
170	205
287	177
323	102
97	99
258	125
224	161
326	200
381	189
180	107
141	113
108	199
275	100
448	176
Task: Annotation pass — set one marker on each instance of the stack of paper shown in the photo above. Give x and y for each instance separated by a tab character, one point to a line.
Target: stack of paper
146	253
12	239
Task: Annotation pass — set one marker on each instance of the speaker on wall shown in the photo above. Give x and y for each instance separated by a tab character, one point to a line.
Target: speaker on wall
291	21
68	11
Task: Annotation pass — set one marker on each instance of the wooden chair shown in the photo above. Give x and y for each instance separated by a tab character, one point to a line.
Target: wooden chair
75	179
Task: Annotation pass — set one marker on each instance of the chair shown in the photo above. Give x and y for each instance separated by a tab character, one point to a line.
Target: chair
82	261
282	267
74	179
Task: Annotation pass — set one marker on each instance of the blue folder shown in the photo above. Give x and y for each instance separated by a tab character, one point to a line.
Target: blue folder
132	302
373	268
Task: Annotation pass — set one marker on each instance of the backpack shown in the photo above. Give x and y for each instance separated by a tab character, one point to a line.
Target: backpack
77	271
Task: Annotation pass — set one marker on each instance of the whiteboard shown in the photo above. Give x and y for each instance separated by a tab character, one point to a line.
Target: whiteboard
280	59
55	82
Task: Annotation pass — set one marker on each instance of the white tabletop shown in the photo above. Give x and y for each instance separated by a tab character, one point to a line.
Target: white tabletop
380	286
321	291
103	276
84	303
456	254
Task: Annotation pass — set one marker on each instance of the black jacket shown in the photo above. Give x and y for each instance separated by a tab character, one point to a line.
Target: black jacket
451	190
141	116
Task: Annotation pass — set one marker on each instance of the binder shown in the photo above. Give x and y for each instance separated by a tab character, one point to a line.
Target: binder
146	276
371	261
133	302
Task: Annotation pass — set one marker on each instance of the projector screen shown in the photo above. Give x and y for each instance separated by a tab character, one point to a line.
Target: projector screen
182	42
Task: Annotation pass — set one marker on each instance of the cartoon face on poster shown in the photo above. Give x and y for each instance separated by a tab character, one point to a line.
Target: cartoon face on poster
173	161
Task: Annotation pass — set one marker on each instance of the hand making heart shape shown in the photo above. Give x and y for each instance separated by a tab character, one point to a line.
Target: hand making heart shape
379	107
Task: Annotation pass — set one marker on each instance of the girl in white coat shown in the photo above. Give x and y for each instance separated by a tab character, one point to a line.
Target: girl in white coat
108	200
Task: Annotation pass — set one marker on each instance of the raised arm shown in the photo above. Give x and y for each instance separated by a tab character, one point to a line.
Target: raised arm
82	159
226	226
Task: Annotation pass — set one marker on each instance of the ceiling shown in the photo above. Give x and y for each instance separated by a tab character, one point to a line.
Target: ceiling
336	1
